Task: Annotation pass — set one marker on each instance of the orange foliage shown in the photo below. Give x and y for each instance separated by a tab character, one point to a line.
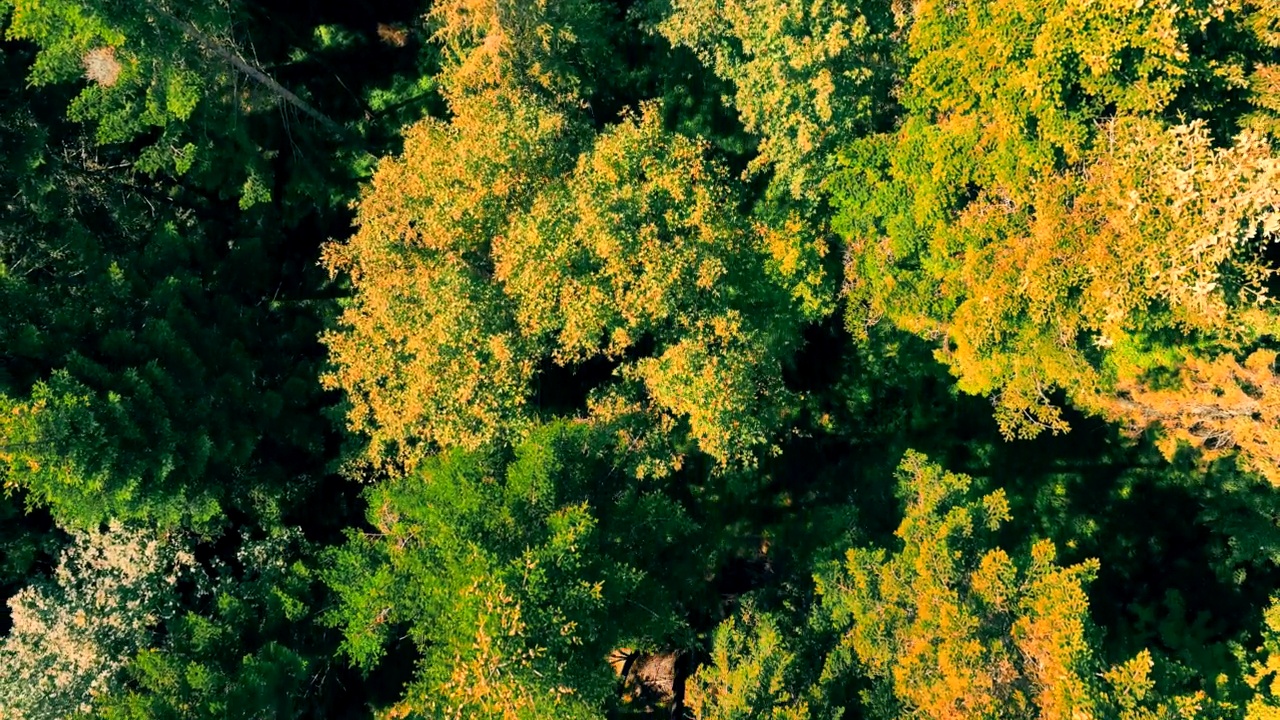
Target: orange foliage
428	352
1218	406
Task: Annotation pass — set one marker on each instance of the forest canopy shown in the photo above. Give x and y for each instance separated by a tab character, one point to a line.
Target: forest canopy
700	359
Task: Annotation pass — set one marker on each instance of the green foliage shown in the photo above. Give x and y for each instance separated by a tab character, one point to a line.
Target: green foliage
642	245
514	583
948	626
143	71
128	425
170	82
623	456
149	364
1059	232
751	674
243	656
1264	672
65	449
808	77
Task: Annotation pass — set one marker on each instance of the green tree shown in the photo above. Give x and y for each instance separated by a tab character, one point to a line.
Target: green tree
643	244
245	649
1264	672
755	673
149	65
513	582
808	77
155	333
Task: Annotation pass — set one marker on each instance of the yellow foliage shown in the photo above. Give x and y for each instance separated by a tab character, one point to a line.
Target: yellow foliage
484	252
549	46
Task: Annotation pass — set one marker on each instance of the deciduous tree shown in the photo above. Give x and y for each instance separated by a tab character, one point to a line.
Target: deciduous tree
513	582
1058	233
73	634
950	627
808	77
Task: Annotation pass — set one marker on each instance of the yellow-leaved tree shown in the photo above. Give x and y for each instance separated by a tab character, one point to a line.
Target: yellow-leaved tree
1052	214
951	627
508	242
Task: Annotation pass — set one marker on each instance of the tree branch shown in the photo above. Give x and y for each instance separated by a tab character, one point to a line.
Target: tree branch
216	48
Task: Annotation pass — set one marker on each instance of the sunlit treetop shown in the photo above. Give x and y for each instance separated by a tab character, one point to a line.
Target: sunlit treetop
432	350
951	627
1048	211
807	76
557	48
484	254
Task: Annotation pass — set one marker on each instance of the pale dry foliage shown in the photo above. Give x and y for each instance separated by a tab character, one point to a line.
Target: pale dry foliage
101	66
393	34
73	634
1182	224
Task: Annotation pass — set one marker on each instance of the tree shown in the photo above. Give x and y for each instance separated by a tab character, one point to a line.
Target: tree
752	674
149	65
638	244
642	244
73	633
808	77
558	50
1219	407
154	331
514	580
407	352
1261	674
134	386
1060	234
243	648
948	626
